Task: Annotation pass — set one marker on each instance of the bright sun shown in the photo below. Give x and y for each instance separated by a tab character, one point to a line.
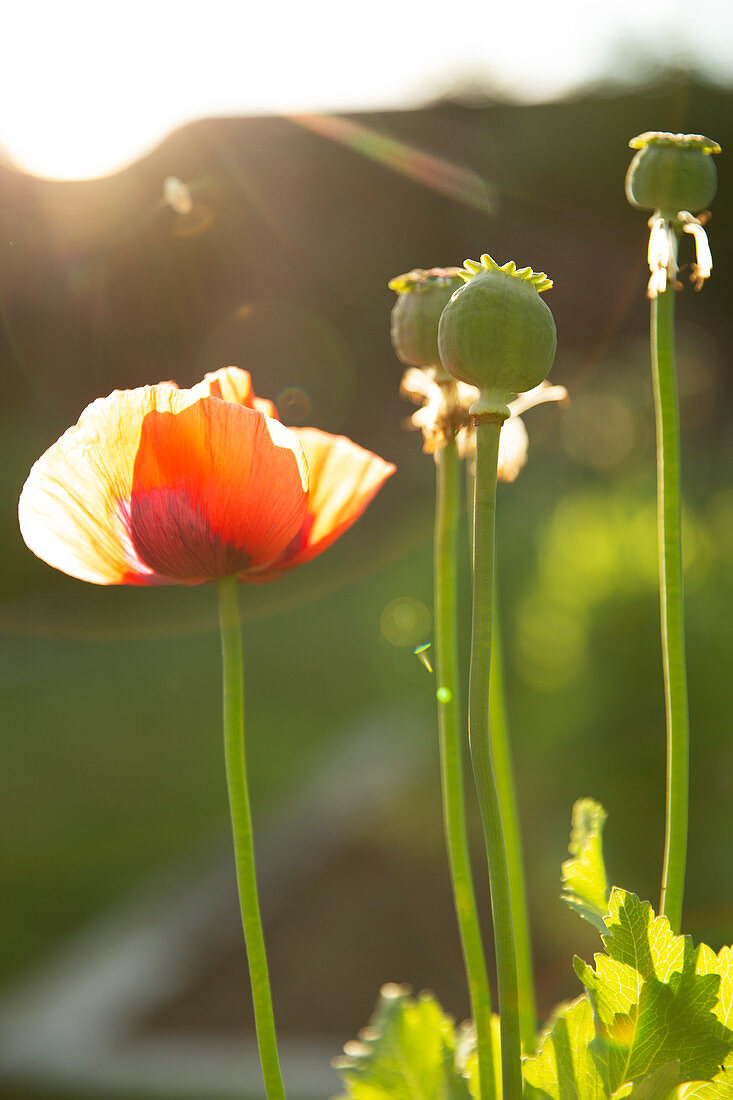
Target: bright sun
84	147
88	87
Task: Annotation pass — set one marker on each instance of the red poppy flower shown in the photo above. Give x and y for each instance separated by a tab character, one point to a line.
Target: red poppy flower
343	477
160	485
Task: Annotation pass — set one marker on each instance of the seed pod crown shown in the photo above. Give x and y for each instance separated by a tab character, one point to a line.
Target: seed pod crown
421	298
672	172
496	333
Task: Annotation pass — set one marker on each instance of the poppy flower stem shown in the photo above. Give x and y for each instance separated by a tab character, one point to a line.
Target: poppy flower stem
241	818
505	788
501	756
671	605
451	755
484	513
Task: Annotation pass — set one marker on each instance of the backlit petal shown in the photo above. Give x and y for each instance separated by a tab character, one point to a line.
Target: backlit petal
513	446
234	384
343	480
546	391
158	484
217	489
74	508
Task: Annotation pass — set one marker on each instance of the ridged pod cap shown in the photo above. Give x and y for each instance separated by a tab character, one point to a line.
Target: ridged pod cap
421	298
496	333
672	172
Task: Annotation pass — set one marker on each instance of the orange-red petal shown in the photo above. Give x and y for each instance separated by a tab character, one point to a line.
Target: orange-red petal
343	480
217	489
76	507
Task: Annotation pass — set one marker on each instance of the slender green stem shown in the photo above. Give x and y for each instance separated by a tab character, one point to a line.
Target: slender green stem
501	754
671	602
241	817
484	511
504	772
451	756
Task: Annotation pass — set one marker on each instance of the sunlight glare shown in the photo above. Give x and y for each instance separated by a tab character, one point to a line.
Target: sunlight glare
86	149
89	88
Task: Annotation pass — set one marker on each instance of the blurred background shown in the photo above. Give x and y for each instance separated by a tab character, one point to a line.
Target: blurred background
318	153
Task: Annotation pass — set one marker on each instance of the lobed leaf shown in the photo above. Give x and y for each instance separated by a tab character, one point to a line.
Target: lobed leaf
409	1051
655	999
584	882
564	1067
721	1088
660	1085
722	965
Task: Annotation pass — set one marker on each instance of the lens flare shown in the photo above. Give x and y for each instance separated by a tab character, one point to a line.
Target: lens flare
459	183
405	621
421	652
293	405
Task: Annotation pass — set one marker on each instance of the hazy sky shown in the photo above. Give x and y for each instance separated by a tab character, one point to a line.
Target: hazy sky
87	86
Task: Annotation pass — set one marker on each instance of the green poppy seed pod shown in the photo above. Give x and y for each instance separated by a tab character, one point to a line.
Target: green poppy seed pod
672	172
496	333
421	298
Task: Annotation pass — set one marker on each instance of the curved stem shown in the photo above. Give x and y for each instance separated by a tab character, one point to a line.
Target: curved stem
487	448
671	602
241	818
504	772
451	756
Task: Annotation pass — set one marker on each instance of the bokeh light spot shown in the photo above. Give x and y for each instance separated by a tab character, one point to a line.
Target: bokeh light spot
177	195
600	433
293	405
552	644
444	695
289	350
405	621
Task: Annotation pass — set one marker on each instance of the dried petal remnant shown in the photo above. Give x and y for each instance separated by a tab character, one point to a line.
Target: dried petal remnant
675	176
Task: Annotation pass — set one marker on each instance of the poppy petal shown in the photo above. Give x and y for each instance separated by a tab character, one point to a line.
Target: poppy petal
513	449
343	480
217	489
234	384
74	508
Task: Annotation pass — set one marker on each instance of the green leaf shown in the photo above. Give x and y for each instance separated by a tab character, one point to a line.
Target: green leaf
584	882
720	1088
722	965
564	1067
660	1085
655	999
408	1052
